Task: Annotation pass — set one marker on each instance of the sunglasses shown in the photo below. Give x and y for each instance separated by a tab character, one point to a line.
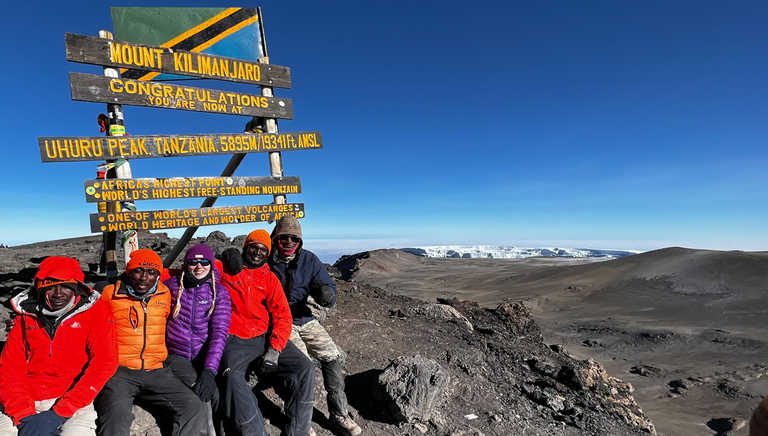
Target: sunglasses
203	262
286	238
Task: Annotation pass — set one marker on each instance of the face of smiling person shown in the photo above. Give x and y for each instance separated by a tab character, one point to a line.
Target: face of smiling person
58	296
288	243
142	279
199	268
256	253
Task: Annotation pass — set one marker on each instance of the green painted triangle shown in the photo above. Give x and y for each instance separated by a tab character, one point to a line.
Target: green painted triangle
155	26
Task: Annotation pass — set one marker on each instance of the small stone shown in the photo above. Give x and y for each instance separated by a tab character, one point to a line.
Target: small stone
681	384
726	425
496	418
471	416
421	427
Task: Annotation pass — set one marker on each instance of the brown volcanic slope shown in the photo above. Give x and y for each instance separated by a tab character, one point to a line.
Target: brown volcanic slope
698	316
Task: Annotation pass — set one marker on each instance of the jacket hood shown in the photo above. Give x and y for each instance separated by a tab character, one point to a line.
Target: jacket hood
26	302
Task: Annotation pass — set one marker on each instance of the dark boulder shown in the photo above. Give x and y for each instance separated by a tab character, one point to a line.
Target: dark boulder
411	388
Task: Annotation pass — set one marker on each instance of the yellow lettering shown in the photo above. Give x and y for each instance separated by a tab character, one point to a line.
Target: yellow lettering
156	89
146	55
114	53
144	88
116	85
204	64
112	144
177	65
48	150
159	54
189	64
224	67
127	54
175	145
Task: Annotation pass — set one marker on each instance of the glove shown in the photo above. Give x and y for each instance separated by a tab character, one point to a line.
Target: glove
326	297
269	361
205	387
41	424
232	261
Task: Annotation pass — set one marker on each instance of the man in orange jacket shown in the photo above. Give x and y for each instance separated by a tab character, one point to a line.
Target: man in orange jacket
60	352
140	305
259	330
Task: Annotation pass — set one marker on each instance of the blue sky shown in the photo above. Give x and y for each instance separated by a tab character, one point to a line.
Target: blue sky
594	124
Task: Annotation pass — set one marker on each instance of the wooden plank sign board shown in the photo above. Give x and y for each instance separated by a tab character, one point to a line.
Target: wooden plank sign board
187	187
207	216
86	148
100	89
99	51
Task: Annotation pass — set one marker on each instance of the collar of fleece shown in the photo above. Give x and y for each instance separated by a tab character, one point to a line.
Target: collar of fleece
145	296
278	258
191	282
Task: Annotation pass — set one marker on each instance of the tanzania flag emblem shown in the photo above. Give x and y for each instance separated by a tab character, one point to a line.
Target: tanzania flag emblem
232	32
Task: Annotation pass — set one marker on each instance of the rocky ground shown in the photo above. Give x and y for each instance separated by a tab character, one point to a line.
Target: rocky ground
447	367
685	327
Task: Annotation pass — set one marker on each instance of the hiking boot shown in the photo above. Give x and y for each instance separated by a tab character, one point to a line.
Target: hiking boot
346	425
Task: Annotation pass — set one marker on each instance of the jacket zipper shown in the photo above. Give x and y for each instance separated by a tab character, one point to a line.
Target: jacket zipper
192	321
58	324
144	343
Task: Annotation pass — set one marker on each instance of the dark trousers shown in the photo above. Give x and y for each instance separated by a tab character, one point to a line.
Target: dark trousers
333	379
188	371
159	389
295	379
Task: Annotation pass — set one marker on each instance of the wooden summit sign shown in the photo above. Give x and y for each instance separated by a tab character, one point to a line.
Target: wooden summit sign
85	148
187	187
100	51
207	216
100	89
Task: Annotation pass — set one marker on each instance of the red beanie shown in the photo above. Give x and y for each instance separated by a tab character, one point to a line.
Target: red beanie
258	237
144	258
57	270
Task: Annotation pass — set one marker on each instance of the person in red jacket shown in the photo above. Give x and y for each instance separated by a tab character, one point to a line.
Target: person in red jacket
60	353
259	330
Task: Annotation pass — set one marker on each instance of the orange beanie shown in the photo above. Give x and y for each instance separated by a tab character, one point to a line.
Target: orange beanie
144	258
258	237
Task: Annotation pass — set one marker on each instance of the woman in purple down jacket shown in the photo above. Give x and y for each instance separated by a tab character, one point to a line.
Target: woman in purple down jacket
199	323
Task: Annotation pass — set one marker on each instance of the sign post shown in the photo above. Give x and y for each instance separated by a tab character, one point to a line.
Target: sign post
275	159
179	51
121	169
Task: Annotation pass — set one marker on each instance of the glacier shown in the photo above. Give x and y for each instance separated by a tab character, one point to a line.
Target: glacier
511	252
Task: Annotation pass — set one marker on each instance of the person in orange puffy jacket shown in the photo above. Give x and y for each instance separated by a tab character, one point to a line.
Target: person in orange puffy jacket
140	305
60	352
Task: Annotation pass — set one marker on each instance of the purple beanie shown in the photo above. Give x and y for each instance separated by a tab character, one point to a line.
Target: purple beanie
199	251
